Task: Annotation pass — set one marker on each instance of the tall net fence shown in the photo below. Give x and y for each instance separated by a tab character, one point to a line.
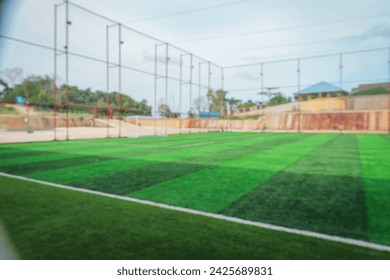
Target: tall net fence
336	92
98	78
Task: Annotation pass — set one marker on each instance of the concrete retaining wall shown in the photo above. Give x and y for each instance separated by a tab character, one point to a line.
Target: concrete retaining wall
372	102
349	103
353	121
38	122
375	121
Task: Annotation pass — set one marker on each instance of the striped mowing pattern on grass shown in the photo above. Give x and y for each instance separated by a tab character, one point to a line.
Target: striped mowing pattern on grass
375	164
322	191
334	184
230	180
126	161
194	160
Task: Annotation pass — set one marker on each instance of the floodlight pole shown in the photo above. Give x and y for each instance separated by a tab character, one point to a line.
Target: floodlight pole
299	90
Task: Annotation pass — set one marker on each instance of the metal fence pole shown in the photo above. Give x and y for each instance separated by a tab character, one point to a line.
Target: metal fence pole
199	90
299	89
262	96
180	90
388	86
223	95
108	78
166	86
341	127
190	108
120	76
67	23
55	75
208	92
155	90
341	72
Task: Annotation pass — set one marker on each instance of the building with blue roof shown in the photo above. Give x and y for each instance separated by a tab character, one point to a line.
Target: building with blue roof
322	89
208	115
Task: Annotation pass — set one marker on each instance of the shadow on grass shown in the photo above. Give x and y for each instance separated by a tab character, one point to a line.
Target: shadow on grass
128	181
328	204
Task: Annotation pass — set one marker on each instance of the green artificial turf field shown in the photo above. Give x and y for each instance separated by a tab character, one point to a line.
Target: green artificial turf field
329	183
51	223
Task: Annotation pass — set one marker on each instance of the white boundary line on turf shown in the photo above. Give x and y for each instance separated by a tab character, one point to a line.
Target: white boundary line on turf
344	240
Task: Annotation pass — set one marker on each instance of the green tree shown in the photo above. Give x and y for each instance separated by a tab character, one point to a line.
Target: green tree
278	99
39	89
143	107
247	104
4	88
216	100
233	103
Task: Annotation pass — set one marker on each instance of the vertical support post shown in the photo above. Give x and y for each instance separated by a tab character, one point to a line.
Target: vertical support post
199	90
180	89
388	62
299	90
67	23
341	126
155	90
55	75
208	92
223	99
166	85
190	108
341	72
262	95
108	78
120	76
388	87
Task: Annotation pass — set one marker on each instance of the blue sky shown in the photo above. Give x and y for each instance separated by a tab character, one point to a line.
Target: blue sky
226	32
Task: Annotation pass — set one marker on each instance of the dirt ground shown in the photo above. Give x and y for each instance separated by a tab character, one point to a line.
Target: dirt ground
88	133
75	133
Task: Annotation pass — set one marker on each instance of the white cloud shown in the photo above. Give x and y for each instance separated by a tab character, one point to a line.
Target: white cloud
380	31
